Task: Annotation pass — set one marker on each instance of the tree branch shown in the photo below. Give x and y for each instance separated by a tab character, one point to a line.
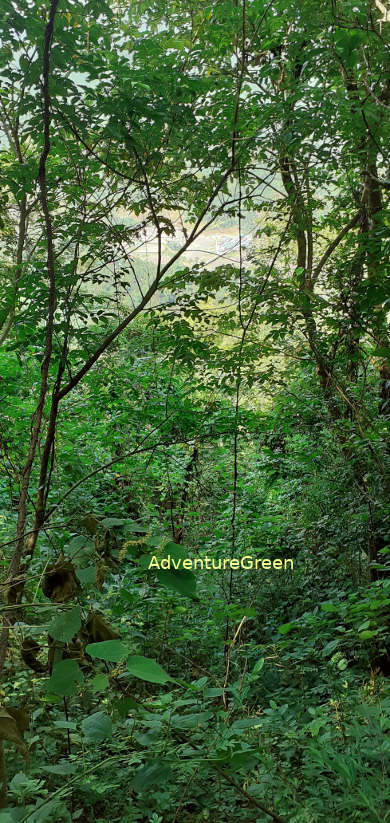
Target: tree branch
333	245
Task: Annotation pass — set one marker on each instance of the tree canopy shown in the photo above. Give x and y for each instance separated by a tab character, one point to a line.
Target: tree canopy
194	377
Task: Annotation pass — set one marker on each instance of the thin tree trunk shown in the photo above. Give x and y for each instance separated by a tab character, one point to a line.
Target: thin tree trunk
179	533
14	568
8	321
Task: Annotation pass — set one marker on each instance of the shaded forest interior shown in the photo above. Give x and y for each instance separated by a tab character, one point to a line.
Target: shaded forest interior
195	404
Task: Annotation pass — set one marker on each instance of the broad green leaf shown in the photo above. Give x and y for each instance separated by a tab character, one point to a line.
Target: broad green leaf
87	575
78	543
97	727
180	581
329	607
100	683
250	612
191	721
147	669
175	550
155	773
65	724
285	628
109	522
125	705
65	625
258	666
330	647
66	675
111	650
214	692
247	723
135	527
62	768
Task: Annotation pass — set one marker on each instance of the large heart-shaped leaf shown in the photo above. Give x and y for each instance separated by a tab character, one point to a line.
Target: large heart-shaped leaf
66	675
65	625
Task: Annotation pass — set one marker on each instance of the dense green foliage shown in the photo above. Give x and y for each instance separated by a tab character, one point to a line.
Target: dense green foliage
194	363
